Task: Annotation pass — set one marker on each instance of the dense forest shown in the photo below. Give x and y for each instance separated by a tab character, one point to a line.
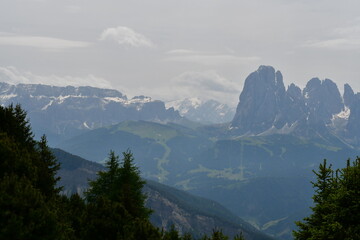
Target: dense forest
32	206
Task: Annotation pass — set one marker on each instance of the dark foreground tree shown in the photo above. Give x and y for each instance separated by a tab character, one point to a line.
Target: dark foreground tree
336	210
116	205
28	196
121	183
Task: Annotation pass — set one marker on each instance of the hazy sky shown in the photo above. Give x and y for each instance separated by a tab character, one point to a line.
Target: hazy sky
171	49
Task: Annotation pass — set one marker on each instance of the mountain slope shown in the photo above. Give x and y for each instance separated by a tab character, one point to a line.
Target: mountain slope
197	213
75	172
171	206
152	143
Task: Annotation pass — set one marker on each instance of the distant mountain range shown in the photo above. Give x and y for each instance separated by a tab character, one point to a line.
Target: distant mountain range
265	107
63	112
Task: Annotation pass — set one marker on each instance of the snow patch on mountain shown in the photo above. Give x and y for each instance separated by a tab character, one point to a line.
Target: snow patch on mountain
344	114
184	105
7	96
204	111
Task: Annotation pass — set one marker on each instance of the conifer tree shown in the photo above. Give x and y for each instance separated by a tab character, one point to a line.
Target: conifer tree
105	186
318	224
28	197
48	166
336	209
116	205
347	201
14	123
131	184
121	183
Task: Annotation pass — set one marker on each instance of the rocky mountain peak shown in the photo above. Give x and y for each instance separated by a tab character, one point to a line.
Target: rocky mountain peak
266	76
313	86
266	108
349	95
259	101
279	83
323	99
294	92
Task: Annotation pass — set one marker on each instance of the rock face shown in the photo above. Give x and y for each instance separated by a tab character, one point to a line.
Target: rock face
263	102
352	108
323	99
62	112
260	101
353	126
265	107
349	96
294	107
198	110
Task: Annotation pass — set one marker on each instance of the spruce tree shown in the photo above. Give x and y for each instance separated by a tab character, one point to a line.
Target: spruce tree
318	224
116	205
336	210
28	196
48	166
131	184
107	183
347	201
121	183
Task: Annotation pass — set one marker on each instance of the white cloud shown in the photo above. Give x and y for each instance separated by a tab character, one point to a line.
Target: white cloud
209	59
125	36
336	44
344	38
46	43
13	76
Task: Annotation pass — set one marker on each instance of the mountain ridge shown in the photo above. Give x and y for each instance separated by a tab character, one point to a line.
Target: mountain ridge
63	112
266	106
